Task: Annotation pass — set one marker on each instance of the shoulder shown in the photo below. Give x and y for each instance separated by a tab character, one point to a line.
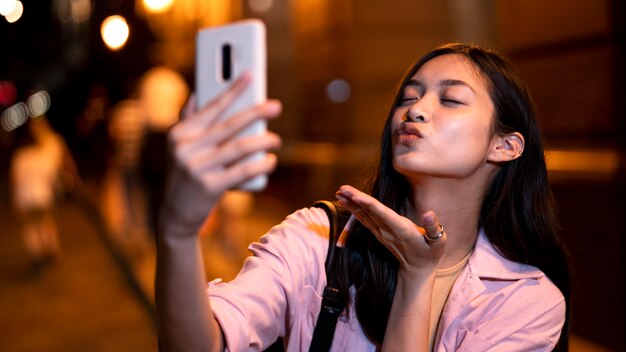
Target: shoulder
307	225
298	244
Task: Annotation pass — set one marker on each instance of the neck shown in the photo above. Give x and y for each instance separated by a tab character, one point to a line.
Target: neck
457	206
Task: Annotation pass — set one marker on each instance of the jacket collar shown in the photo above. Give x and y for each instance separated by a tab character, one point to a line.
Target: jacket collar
487	263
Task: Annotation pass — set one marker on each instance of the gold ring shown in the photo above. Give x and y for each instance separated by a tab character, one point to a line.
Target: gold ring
436	237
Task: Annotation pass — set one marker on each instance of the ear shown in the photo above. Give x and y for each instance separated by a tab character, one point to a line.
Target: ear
506	147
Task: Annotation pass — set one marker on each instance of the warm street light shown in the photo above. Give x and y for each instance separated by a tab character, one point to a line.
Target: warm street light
7	6
16	14
157	6
114	32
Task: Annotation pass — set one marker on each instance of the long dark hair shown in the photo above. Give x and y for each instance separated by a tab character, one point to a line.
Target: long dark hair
517	212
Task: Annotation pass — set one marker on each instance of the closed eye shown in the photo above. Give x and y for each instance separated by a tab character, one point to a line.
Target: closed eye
407	101
450	102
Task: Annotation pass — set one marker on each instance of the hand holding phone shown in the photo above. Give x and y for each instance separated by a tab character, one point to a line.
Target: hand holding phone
223	54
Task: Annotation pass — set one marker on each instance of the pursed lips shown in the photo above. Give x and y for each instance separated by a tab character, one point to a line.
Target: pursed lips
407	132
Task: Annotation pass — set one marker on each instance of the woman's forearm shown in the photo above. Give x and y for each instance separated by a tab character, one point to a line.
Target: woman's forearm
185	319
408	326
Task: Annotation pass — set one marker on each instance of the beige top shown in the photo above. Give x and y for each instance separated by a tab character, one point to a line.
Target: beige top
444	280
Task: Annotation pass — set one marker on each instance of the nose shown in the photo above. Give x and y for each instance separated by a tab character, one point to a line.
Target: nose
415	112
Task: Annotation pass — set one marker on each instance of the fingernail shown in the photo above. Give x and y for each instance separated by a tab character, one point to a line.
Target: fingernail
428	219
344	190
277	141
273	106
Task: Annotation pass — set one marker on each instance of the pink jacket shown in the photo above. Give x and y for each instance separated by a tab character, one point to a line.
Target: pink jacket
494	305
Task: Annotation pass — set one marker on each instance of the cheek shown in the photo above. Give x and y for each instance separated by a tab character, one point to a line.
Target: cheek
398	117
468	140
468	129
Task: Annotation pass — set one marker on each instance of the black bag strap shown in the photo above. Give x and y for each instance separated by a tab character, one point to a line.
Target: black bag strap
332	301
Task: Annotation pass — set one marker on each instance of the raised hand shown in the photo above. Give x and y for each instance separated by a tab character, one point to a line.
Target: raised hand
207	153
417	248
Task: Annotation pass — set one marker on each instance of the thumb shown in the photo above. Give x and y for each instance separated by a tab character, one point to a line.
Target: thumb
435	233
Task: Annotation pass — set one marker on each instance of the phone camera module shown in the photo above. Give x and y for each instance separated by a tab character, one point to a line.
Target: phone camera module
227	64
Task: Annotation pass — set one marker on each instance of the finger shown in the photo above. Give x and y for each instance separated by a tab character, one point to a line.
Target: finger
434	234
222	101
242	172
357	211
192	136
235	151
352	197
366	220
239	123
210	158
379	219
189	108
384	217
345	200
209	113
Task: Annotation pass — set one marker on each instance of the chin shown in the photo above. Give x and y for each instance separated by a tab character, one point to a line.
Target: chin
406	168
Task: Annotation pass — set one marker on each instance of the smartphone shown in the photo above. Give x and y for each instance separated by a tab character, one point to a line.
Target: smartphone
223	53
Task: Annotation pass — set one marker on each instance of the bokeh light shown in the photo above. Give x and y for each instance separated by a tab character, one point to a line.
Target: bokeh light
7	6
38	103
14	116
260	5
16	14
115	32
8	93
196	10
157	6
76	11
338	91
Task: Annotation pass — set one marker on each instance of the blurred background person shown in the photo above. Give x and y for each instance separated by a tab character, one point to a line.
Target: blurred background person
92	144
122	203
35	177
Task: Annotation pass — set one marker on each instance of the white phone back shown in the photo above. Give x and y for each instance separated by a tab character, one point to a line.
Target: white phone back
248	51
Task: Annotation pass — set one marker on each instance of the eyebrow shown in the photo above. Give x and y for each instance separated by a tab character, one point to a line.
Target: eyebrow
443	83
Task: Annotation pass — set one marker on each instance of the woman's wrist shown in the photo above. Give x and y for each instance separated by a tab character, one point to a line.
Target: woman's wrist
172	224
415	281
417	273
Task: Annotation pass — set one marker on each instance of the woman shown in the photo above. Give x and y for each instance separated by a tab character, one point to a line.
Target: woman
35	171
461	147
